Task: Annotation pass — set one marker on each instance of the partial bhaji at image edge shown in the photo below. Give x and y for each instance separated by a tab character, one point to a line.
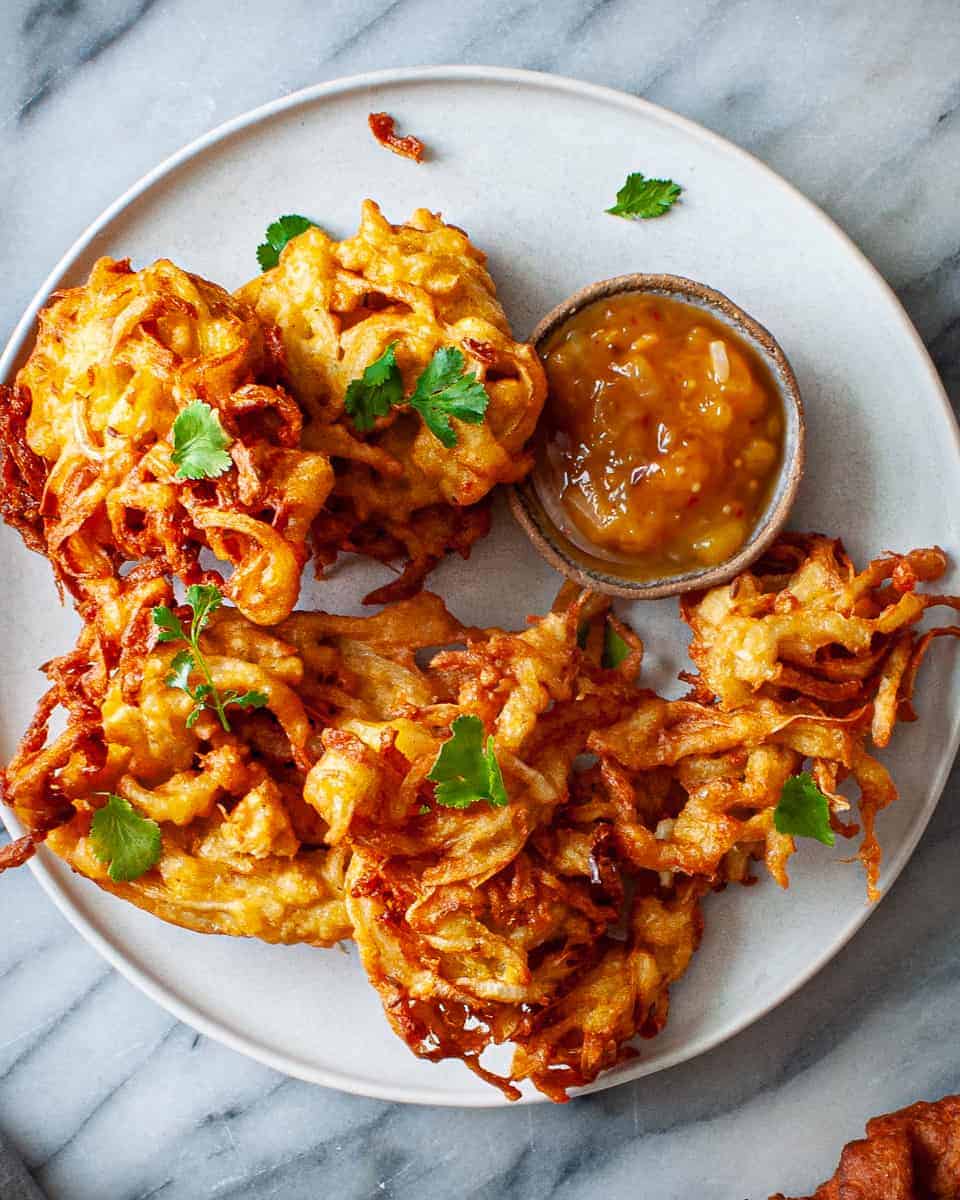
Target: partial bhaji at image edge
146	426
516	832
912	1154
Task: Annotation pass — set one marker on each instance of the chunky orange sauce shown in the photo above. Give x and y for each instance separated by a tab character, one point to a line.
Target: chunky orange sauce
662	435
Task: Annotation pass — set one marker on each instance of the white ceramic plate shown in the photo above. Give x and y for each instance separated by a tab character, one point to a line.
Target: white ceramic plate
527	163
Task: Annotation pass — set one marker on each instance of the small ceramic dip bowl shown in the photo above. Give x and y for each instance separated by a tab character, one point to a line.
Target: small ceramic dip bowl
536	502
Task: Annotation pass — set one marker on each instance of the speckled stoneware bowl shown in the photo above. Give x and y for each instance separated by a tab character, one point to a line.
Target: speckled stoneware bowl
544	530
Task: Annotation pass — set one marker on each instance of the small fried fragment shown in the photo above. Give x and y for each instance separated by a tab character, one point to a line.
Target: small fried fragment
382	127
15	854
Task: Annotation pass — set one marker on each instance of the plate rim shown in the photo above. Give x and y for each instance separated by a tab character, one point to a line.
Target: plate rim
140	976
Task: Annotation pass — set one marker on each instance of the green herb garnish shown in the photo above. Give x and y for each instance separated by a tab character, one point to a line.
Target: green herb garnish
200	443
465	770
278	234
204	600
804	810
641	198
615	649
443	390
128	842
375	392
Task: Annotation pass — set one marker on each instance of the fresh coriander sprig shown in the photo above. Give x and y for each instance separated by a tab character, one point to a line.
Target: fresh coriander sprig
467	771
200	443
443	390
640	198
446	390
280	232
203	600
375	392
615	648
127	842
804	810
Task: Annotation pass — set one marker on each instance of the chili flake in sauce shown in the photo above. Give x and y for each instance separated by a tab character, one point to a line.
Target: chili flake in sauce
662	435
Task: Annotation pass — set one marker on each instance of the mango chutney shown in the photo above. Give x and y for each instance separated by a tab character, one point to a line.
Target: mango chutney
662	437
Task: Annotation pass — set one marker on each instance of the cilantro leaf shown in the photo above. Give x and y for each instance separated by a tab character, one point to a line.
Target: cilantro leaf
496	789
583	634
204	600
375	392
180	669
444	391
641	198
615	649
804	810
167	621
246	699
467	771
193	716
200	443
128	842
279	232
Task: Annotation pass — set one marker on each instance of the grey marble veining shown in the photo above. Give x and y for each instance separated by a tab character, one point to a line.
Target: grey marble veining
104	1094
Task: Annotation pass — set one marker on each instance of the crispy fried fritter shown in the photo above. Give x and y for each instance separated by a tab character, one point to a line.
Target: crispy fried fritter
85	441
242	852
806	654
912	1154
506	924
338	306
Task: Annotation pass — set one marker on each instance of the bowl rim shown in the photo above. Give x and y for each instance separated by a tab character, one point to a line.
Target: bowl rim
542	531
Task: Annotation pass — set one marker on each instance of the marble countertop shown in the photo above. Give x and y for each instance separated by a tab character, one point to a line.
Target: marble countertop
103	1093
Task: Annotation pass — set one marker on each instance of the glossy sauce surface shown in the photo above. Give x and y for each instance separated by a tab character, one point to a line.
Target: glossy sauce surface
662	436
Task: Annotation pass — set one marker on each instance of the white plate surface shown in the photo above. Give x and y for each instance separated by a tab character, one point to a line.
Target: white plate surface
527	163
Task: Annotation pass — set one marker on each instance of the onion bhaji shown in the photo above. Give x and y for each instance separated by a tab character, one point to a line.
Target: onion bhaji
805	633
338	306
912	1154
86	467
243	852
555	923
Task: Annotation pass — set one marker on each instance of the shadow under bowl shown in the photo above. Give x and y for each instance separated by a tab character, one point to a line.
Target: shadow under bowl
601	575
